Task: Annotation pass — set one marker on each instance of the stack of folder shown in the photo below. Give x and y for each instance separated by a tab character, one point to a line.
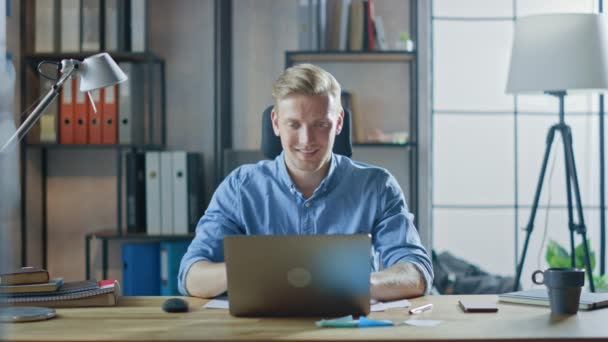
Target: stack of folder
32	286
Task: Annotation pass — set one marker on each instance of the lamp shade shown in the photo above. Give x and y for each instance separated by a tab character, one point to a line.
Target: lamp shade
559	52
99	71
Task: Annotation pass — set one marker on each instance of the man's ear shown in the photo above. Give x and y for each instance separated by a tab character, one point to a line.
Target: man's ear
275	122
340	121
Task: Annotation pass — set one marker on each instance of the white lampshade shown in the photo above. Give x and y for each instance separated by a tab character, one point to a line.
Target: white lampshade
559	52
99	71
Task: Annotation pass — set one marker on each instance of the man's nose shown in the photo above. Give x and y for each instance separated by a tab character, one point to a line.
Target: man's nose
306	135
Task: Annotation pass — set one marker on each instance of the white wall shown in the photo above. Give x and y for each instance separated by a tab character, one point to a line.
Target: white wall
262	31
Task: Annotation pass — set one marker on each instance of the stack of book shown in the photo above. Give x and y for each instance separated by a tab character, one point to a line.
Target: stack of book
32	286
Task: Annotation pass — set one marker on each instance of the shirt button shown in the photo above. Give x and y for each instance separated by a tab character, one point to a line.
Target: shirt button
307	204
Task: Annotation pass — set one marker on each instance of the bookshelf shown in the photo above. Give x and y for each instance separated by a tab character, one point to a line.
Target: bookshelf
369	46
41	153
106	236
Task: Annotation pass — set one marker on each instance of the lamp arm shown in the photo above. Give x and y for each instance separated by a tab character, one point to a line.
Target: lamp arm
44	103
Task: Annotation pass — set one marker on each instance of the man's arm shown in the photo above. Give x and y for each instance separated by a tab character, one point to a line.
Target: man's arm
408	271
206	279
402	280
202	272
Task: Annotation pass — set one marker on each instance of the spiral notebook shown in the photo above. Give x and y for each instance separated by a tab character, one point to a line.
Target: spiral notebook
72	294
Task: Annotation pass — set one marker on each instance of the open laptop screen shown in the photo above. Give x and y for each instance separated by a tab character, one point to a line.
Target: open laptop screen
298	275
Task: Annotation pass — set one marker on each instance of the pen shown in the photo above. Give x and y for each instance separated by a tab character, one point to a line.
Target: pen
421	309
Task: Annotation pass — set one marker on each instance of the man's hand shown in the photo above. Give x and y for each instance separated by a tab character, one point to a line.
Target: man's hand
206	279
402	280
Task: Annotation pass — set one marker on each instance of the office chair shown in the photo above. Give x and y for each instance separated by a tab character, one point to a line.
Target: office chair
271	144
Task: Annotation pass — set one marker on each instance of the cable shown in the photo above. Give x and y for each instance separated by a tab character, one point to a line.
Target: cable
544	238
57	64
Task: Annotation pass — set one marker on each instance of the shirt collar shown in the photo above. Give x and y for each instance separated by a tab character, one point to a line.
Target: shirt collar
286	178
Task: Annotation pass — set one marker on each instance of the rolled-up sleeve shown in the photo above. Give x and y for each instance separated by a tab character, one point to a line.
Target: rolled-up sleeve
220	219
395	237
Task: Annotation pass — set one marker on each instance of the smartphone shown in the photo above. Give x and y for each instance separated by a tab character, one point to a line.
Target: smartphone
476	305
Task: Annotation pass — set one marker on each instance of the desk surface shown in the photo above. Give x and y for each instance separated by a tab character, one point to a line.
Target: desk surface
141	319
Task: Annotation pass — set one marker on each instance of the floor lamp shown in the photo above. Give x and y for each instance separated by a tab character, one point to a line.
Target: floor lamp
555	54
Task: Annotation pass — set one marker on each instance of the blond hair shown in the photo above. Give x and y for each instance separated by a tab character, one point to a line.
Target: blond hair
306	79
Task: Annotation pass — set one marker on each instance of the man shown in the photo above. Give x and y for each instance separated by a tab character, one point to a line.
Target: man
309	190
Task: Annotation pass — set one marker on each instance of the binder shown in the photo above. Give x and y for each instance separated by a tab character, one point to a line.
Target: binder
45	25
109	114
370	38
195	190
111	34
94	117
180	192
138	25
343	25
171	254
153	206
166	192
66	112
70	26
48	118
131	105
136	192
90	26
141	269
80	117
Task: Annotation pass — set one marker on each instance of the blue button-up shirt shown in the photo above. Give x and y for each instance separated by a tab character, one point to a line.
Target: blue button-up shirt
354	198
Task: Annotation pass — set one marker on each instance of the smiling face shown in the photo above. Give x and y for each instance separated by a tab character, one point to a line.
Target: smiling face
307	126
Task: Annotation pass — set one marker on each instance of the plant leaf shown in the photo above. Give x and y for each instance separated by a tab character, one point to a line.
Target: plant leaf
556	255
579	255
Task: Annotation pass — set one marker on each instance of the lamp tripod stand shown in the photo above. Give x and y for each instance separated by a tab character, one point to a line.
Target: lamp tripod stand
572	189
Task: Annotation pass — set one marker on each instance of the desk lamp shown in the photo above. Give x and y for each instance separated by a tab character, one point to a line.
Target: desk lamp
554	54
95	72
98	71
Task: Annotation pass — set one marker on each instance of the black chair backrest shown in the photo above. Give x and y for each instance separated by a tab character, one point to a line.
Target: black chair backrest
271	144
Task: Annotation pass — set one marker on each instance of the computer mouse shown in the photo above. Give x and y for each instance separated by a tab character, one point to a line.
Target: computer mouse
175	305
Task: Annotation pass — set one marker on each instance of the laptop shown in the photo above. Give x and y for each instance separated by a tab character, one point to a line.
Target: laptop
588	300
298	275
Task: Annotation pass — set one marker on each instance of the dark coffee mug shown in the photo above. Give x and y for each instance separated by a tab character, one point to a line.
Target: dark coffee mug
564	285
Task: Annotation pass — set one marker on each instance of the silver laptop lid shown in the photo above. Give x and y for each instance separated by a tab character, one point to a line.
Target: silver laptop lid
298	275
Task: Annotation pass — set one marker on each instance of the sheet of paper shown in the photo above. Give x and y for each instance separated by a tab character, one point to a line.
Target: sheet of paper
217	303
422	322
382	306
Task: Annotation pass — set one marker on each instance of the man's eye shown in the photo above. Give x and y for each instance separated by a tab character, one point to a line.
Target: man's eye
323	124
293	125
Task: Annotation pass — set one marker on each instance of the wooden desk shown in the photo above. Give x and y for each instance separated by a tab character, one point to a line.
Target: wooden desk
141	319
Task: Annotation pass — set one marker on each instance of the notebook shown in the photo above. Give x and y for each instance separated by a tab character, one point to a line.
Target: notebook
588	301
72	294
53	285
298	275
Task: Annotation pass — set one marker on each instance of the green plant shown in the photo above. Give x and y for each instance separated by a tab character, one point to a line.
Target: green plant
558	256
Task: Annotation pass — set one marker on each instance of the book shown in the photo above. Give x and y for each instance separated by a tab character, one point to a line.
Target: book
53	285
588	301
75	294
25	275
